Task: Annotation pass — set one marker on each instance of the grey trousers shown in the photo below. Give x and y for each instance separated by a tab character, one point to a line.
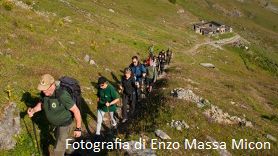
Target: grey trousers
61	134
100	116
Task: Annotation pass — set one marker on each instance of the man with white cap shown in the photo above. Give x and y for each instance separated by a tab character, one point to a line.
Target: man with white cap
59	111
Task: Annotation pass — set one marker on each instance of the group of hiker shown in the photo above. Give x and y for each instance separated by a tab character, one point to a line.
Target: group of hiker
61	99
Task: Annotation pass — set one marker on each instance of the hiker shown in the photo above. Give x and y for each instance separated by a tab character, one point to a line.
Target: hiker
139	72
151	49
162	61
156	64
128	88
150	59
169	55
59	111
151	75
107	99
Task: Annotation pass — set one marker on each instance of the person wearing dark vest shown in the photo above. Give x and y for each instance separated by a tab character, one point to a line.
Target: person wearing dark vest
59	111
107	100
128	87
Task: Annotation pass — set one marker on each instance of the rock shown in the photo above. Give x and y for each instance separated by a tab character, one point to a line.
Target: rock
189	95
71	42
92	62
67	19
180	11
179	125
272	138
207	65
248	124
161	134
10	127
132	151
186	126
179	128
222	152
216	114
87	58
111	10
107	69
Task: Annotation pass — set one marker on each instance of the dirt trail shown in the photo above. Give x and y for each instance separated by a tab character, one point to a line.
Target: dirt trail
216	44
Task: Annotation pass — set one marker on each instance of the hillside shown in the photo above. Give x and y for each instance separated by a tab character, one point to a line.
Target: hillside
43	36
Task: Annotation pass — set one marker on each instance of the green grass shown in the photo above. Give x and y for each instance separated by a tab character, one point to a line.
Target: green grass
223	36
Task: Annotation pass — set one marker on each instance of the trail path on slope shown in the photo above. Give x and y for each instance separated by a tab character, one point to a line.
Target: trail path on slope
217	43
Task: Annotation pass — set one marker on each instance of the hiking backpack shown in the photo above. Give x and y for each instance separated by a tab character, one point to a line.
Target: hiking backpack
72	86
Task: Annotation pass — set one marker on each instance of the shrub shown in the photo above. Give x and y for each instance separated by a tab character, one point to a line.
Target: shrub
8	5
173	1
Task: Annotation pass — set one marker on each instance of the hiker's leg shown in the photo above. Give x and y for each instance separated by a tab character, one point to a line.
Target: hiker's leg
151	88
124	107
100	116
114	123
62	133
132	104
138	91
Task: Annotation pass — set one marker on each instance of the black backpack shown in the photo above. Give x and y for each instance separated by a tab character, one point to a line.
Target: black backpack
72	86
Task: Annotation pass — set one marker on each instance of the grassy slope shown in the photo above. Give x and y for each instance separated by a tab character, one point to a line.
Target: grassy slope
39	44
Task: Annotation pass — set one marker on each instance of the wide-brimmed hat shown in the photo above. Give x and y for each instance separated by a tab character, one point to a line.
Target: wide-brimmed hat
45	82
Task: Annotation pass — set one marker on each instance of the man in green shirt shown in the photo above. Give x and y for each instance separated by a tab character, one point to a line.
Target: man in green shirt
107	99
58	111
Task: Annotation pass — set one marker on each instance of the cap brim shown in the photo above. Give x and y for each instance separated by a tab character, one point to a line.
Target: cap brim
43	87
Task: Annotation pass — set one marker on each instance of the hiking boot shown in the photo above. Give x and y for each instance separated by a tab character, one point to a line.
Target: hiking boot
124	120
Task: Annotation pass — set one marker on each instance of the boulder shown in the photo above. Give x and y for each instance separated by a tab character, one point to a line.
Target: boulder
111	10
10	127
272	138
92	62
161	134
189	95
87	58
207	65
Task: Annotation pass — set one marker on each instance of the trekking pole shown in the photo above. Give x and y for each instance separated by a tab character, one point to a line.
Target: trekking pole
36	138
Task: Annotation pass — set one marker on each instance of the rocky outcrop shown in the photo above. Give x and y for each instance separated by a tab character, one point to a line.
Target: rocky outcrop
216	114
10	127
189	95
213	113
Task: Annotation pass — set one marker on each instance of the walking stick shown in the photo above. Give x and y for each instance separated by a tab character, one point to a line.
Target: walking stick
36	138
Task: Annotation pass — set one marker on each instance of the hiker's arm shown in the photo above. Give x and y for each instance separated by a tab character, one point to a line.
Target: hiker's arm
155	75
121	88
144	71
74	109
113	102
32	111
